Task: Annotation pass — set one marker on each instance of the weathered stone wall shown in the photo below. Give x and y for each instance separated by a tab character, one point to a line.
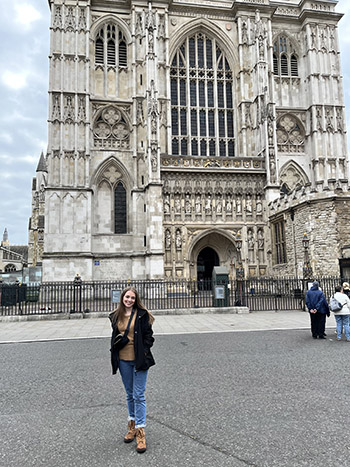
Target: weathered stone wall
325	218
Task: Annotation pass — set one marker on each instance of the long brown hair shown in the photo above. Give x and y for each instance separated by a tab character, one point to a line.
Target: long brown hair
120	310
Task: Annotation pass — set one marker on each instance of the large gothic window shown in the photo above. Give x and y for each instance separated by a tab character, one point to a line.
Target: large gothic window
201	99
120	209
285	60
279	243
110	47
111	201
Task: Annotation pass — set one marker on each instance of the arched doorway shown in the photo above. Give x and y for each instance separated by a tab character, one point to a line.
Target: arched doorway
206	260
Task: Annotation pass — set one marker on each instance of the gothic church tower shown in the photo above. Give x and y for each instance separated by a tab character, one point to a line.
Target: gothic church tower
174	127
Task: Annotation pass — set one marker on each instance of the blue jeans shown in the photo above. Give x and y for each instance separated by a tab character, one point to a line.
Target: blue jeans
343	320
135	387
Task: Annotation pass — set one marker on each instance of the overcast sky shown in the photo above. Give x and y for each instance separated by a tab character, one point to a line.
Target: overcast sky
24	48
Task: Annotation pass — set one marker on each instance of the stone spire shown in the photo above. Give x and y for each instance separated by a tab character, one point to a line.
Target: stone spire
5	238
42	167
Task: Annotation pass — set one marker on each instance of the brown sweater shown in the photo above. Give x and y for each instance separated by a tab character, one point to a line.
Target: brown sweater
127	353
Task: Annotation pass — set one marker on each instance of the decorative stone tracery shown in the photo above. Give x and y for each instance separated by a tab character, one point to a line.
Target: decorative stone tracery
292	176
111	129
290	134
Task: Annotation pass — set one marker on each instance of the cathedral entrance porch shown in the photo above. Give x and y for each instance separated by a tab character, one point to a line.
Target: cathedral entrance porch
211	249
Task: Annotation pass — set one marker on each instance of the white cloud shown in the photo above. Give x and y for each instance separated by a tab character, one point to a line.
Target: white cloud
26	14
6	138
15	80
16	116
5	159
33	160
6	175
24	158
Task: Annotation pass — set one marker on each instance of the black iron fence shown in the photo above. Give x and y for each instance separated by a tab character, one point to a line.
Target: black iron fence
78	296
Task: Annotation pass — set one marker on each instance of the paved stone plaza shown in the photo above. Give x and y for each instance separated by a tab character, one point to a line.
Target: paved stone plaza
75	328
239	398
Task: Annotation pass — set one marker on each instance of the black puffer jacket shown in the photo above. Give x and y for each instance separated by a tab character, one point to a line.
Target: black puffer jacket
143	341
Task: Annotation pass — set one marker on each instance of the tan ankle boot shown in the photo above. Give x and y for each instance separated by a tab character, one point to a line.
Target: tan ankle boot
131	433
141	440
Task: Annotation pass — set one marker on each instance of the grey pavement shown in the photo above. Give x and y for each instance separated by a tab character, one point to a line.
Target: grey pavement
229	399
46	330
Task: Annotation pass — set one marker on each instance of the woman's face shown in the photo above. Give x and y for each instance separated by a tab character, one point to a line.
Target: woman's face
129	300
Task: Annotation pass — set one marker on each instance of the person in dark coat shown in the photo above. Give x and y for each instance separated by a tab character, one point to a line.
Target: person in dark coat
133	360
318	308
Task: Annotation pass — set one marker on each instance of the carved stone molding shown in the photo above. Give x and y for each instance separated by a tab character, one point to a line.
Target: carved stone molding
229	163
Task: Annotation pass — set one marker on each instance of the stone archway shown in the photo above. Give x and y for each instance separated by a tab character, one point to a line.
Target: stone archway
209	250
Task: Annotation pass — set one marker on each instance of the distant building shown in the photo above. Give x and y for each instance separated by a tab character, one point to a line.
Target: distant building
12	257
186	135
37	219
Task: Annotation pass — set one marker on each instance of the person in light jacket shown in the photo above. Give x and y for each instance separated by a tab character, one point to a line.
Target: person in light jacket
346	288
342	317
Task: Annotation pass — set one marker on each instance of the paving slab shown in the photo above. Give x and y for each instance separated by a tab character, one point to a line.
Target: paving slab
28	331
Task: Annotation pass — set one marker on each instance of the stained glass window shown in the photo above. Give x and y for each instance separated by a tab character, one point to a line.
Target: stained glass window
201	99
120	209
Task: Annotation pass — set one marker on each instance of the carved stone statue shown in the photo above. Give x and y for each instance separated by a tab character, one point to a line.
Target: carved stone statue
188	207
139	25
340	123
245	38
208	204
177	205
167	239
198	205
249	205
329	120
178	240
150	42
239	205
219	206
260	239
167	204
258	205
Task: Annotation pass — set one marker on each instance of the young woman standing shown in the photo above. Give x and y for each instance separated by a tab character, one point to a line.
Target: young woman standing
133	360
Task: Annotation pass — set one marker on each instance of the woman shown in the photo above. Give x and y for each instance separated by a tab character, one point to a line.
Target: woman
342	317
133	360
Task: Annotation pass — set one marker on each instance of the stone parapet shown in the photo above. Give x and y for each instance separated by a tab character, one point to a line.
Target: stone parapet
308	193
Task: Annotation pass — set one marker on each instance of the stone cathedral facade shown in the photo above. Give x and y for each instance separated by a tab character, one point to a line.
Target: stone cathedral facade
176	128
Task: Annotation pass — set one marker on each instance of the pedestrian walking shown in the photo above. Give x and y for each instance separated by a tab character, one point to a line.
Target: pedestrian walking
132	339
346	288
318	308
342	317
